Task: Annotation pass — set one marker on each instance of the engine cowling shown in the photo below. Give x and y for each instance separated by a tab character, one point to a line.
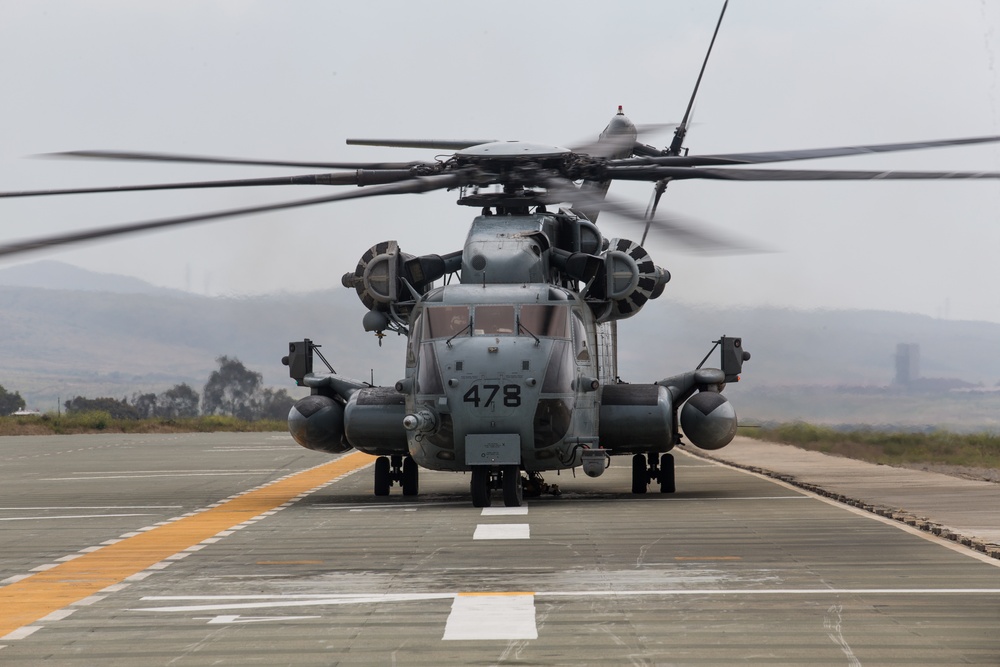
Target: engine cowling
377	275
709	420
636	417
374	421
317	422
630	279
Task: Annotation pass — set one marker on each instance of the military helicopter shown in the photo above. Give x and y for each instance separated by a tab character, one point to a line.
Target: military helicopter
510	363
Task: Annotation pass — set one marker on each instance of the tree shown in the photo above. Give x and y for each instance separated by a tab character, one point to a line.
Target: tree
179	401
274	404
232	390
145	405
10	402
117	409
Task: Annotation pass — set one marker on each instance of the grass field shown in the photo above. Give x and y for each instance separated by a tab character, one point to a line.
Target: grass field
102	422
978	450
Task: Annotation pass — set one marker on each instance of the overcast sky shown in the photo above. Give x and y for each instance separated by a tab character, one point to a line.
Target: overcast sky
293	80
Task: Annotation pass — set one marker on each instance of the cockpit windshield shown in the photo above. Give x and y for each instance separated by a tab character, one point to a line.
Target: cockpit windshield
493	320
496	320
547	321
445	321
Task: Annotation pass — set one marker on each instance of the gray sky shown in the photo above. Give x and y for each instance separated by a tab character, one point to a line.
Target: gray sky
293	79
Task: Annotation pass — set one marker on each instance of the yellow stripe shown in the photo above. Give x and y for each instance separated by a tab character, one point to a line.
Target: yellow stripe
26	601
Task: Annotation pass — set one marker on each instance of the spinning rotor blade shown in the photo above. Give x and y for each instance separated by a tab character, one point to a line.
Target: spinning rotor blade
690	233
432	144
416	184
684	173
359	177
805	154
206	159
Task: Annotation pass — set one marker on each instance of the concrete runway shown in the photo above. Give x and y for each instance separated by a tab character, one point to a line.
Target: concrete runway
237	549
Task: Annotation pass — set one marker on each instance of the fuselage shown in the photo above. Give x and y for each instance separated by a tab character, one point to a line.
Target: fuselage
501	373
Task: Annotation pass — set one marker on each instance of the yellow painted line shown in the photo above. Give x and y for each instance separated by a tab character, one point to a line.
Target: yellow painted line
685	558
31	599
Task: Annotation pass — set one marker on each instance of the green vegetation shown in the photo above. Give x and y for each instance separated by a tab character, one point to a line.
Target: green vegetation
980	450
103	422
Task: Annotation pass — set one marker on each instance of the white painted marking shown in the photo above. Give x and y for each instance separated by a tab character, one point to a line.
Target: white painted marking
384	508
67	516
89	600
57	615
43	568
502	531
236	618
95	507
505	511
268	601
187	474
13	580
22	632
492	617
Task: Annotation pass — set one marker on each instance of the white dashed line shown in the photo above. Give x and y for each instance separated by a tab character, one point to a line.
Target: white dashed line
502	531
492	616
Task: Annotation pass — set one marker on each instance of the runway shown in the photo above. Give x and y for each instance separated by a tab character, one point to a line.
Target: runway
239	549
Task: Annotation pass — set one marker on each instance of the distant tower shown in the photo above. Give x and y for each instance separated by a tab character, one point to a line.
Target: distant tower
907	363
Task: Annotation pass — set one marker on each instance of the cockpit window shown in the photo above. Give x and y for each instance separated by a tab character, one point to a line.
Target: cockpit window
445	321
493	320
546	321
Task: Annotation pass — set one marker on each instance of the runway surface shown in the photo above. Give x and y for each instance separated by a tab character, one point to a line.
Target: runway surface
237	549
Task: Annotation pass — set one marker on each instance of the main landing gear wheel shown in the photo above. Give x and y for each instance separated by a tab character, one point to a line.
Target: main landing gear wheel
513	487
645	471
411	477
383	478
640	476
480	486
667	484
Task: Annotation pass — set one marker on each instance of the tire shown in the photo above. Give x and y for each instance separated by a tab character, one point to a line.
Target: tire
382	478
480	486
513	487
640	476
411	477
667	484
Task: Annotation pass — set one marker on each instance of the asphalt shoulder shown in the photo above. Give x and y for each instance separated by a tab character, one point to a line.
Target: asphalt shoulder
966	511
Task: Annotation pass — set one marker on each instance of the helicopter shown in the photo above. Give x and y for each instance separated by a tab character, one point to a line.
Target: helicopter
510	366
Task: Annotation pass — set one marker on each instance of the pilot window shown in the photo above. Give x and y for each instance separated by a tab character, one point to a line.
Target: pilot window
493	320
545	321
580	338
445	321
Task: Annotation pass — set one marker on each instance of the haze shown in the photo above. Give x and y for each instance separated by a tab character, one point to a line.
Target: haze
293	80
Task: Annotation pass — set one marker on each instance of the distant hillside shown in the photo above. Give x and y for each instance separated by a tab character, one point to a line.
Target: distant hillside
48	274
56	343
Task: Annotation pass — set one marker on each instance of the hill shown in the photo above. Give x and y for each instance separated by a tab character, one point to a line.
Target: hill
114	336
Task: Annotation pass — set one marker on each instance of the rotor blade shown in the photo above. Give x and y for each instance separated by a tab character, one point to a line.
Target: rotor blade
359	177
694	235
684	173
431	144
806	154
416	184
206	159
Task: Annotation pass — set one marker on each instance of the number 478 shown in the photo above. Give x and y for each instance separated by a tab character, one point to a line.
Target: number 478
511	395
